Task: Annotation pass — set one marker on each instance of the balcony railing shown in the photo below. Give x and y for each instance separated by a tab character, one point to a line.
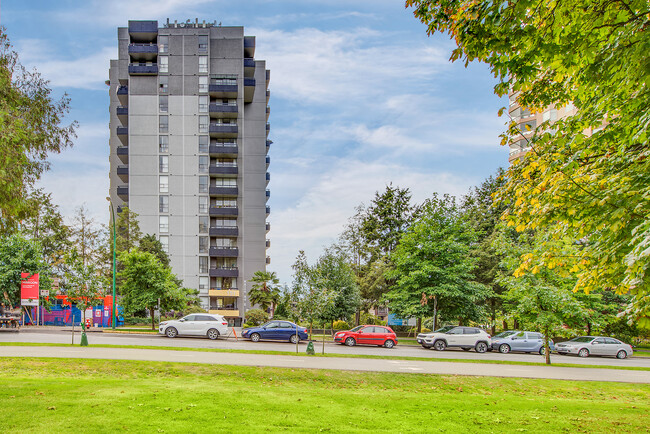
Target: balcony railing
224	191
224	252
224	272
224	231
224	211
223	130
223	170
143	69
122	111
143	48
249	62
224	148
143	26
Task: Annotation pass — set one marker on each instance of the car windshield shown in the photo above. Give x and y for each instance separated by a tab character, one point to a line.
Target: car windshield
357	328
444	329
505	334
582	339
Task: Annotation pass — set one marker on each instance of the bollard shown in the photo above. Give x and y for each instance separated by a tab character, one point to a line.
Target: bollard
310	348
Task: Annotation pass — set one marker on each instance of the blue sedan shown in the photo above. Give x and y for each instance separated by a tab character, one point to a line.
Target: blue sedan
277	331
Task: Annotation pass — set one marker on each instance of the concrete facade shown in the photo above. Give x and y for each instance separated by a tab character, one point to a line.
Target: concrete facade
188	151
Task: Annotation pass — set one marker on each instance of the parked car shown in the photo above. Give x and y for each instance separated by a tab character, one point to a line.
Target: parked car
196	324
456	336
367	335
585	346
523	341
276	330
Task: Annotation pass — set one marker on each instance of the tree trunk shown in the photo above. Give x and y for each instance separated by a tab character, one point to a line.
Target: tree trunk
153	320
588	328
435	320
516	324
505	325
493	318
419	325
547	350
357	317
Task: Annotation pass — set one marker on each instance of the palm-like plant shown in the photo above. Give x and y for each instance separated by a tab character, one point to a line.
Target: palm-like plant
264	291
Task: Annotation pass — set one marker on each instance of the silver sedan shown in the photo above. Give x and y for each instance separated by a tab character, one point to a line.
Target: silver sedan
585	346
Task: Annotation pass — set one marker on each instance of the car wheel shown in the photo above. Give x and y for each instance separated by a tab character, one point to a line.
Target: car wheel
171	332
440	345
255	337
621	354
481	347
391	344
466	349
294	339
213	334
583	352
350	342
504	348
542	351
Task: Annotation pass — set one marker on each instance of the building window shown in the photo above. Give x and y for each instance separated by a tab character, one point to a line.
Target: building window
203	44
163	126
203	282
203	264
203	83
163	164
163	103
203	244
163	64
163	203
163	144
203	204
203	184
549	115
204	162
164	240
224	203
204	144
163	184
225	243
163	44
204	121
163	224
203	64
203	103
223	81
163	83
204	224
225	182
226	223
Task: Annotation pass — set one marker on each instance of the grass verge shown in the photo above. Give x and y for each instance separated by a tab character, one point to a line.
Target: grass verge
347	356
45	395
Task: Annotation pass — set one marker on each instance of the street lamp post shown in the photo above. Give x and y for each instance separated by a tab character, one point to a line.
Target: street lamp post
114	261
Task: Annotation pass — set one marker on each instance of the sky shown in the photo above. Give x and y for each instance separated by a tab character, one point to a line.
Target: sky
361	98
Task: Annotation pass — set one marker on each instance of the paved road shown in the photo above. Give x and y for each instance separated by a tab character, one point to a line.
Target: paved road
403	366
57	336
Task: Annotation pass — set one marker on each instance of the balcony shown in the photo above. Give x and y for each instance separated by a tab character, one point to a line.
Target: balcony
268	226
268	193
268	260
122	114
224	111
268	145
268	243
224	272
268	210
223	131
123	192
249	46
223	169
249	66
225	312
223	90
224	231
268	161
268	176
268	95
249	89
123	90
143	69
224	191
268	112
139	28
120	208
218	292
123	153
123	134
123	173
224	252
268	77
227	211
223	150
143	51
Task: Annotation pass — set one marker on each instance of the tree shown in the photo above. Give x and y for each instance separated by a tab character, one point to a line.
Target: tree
86	236
265	291
433	268
256	317
20	255
587	176
146	283
84	283
31	128
149	243
127	230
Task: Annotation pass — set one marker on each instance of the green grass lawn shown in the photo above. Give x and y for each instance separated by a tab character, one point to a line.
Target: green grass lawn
63	395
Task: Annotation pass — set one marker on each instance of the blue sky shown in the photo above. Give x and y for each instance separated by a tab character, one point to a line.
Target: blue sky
360	97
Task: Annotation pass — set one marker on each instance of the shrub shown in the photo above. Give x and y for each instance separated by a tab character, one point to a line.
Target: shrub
255	317
425	330
341	325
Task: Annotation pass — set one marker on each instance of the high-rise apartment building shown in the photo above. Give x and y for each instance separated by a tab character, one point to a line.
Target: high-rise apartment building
188	151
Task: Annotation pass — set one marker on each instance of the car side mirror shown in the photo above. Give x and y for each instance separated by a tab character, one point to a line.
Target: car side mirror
181	320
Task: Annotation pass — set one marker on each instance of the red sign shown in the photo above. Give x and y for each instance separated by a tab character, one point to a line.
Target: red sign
29	289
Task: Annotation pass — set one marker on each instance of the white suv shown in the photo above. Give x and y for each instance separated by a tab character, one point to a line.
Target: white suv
457	336
196	324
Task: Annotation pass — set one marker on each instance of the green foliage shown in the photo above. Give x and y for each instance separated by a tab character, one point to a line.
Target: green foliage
367	318
30	129
149	243
265	291
20	255
340	325
83	282
128	231
255	317
333	274
433	267
588	177
307	300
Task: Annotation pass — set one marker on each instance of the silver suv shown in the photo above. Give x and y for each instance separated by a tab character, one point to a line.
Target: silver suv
456	336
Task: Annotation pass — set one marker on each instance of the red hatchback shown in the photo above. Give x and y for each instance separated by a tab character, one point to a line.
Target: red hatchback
367	335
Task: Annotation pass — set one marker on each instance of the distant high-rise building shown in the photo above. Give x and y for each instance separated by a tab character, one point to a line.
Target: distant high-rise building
188	151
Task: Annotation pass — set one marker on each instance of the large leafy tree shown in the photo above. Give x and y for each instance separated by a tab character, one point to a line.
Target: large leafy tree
20	255
128	230
587	177
31	127
84	283
433	267
265	291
